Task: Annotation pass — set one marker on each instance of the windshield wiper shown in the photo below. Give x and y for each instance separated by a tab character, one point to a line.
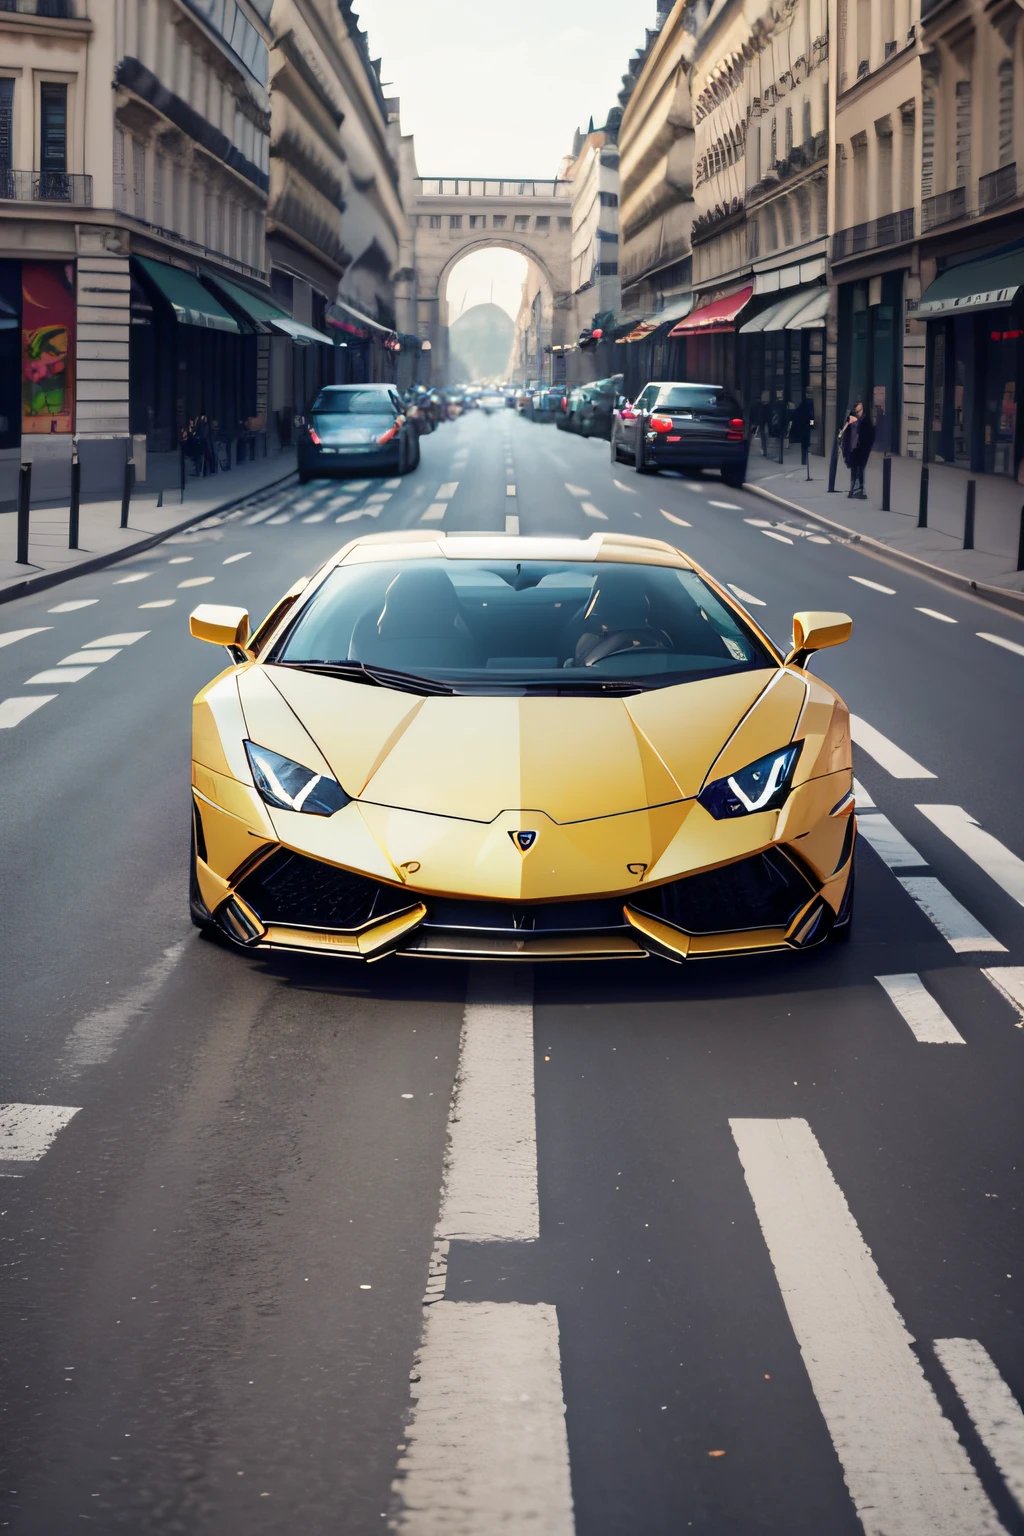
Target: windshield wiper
378	677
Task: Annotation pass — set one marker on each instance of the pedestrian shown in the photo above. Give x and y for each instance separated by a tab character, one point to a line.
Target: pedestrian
858	438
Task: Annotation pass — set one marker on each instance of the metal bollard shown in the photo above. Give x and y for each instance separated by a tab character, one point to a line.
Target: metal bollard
126	494
76	497
24	498
886	483
1020	543
160	497
182	452
833	465
972	486
922	500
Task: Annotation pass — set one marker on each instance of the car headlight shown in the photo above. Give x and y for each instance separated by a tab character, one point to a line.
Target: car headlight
291	787
761	786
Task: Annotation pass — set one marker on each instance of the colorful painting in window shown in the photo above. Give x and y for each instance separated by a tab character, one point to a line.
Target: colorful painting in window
47	346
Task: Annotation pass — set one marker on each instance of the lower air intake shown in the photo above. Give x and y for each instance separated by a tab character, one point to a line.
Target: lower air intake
290	888
766	891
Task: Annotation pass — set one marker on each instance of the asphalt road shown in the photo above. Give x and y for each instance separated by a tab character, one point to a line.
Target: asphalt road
765	1240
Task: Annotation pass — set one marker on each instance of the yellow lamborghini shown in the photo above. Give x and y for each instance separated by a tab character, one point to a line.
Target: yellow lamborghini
491	747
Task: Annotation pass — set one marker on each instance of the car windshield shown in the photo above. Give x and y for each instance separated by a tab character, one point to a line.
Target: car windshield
694	397
495	625
352	402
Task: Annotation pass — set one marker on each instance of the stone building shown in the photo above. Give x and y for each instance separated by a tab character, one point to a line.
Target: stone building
594	253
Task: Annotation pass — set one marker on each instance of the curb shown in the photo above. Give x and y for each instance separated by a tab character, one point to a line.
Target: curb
1002	597
54	578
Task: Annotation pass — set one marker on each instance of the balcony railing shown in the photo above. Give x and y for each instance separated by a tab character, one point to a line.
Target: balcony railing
45	187
62	10
943	208
997	187
464	186
889	229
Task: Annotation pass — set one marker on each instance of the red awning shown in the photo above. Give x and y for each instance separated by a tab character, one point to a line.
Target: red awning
715	318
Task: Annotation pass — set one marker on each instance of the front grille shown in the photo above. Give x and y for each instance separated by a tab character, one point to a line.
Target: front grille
290	888
554	917
766	891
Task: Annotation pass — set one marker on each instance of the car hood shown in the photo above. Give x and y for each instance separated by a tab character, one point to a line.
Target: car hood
474	757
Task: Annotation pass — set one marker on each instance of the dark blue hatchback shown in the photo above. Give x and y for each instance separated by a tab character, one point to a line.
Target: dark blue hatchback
360	427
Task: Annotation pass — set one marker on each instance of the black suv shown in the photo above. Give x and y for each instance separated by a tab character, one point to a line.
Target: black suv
683	426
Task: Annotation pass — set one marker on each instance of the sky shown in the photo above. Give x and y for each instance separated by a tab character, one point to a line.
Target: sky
491	88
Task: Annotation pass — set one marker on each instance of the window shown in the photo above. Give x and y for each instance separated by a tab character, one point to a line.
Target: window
455	221
498	221
928	141
808	134
1005	112
434	221
478	221
542	221
139	178
6	138
53	140
963	132
789	132
564	223
159	176
609	199
522	221
775	142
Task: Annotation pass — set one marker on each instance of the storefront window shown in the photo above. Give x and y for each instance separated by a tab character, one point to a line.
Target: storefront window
936	440
1001	400
963	361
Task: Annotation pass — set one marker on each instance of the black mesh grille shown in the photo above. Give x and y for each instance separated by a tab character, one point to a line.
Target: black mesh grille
546	917
766	891
289	888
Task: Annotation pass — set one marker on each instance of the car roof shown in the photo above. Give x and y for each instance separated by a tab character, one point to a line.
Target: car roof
423	544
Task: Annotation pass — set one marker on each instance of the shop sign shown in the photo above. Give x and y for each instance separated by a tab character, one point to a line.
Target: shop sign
47	346
990	300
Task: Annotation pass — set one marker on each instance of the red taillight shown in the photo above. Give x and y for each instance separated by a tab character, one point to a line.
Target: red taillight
313	437
661	424
388	435
735	432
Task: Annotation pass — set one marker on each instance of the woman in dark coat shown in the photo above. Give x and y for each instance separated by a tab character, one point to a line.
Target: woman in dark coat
857	442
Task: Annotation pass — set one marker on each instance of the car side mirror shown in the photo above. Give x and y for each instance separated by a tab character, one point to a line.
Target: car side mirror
816	631
221	625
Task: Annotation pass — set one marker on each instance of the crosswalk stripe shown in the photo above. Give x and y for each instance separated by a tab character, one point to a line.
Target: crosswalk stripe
885	752
889	843
993	1409
592	511
74	604
907	1472
920	1012
1009	980
260	517
446	491
960	928
680	522
282	517
316	517
14	711
862	797
770	533
12	635
27	1131
434	512
1004	867
58	675
126	637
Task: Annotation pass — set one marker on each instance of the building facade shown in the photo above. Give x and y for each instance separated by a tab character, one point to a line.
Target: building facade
594	252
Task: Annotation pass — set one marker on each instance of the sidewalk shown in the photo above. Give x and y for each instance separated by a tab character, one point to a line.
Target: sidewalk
991	564
101	538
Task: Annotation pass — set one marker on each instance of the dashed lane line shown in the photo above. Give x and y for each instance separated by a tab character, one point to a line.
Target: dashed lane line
11	636
127	637
122	581
885	752
782	538
992	856
906	1470
757	522
1009	981
242	555
196	581
576	490
80	658
960	928
14	711
1007	645
181	560
27	1131
680	522
163	602
993	1409
511	523
592	511
746	597
74	605
726	506
876	586
630	490
510	490
920	1012
933	613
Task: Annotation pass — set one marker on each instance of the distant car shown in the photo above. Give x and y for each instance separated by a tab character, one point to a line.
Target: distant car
568	417
596	406
545	403
357	427
682	426
491	400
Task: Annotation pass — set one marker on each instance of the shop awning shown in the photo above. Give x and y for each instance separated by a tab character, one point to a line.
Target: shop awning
993	281
266	315
715	318
341	314
812	317
677	307
778	315
192	303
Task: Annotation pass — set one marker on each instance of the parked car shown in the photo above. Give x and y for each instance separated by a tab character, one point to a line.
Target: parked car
682	426
545	403
568	417
356	427
597	405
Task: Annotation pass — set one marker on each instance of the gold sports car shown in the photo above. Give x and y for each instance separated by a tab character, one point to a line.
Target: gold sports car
487	747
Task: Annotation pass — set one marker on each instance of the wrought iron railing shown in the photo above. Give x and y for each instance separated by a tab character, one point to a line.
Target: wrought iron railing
45	187
997	187
887	229
465	186
943	208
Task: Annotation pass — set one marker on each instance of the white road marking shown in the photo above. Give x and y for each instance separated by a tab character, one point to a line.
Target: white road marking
1009	980
994	1411
122	581
885	752
78	602
80	658
757	522
889	843
907	1472
164	602
392	485
282	517
92	1040
11	635
14	711
592	511
680	522
726	506
511	523
629	489
129	637
446	491
359	485
315	517
920	1012
490	1190
576	490
343	501
181	560
434	512
770	533
303	505
244	555
1004	867
875	586
260	517
356	513
961	930
196	581
27	1131
487	1447
380	496
933	613
1007	645
817	538
510	490
862	797
59	675
746	597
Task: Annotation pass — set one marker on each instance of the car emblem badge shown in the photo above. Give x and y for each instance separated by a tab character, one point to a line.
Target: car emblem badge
524	841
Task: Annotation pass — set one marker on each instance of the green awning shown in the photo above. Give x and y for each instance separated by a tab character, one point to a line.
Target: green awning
192	303
263	313
990	283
